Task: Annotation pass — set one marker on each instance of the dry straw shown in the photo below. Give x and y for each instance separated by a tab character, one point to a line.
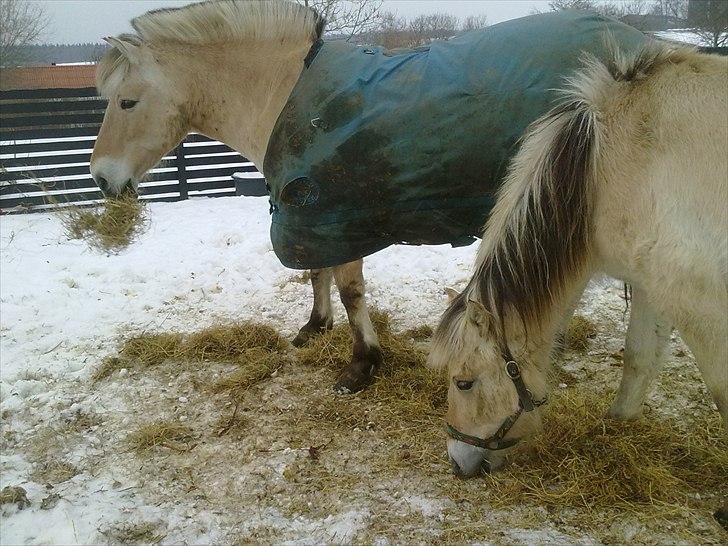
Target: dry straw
161	433
256	349
580	331
586	460
111	228
584	464
405	402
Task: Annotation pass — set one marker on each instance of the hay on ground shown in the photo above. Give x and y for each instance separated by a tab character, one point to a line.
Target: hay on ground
230	342
586	460
161	433
14	495
221	343
419	333
152	349
54	472
253	366
145	532
256	349
108	366
406	401
580	331
111	228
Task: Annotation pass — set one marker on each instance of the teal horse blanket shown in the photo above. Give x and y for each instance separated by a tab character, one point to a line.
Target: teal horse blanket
377	147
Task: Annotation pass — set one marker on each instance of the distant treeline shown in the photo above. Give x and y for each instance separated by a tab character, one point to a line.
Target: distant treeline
46	54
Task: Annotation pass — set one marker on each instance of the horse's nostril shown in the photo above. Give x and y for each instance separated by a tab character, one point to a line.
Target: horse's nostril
456	468
485	467
103	184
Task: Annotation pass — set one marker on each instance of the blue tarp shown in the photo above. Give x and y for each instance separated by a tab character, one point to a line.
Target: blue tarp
378	147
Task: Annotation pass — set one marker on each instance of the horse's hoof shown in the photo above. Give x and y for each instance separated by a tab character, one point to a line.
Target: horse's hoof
310	330
721	516
353	380
301	339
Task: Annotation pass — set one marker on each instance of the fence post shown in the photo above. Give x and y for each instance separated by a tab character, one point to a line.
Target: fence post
179	153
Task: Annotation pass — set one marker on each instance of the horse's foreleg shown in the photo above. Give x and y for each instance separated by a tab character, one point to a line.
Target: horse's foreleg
647	338
366	355
322	317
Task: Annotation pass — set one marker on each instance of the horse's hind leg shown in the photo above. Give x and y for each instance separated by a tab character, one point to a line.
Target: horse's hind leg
366	355
647	339
711	355
322	317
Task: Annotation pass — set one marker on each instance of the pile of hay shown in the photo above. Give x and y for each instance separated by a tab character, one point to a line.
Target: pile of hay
580	331
586	460
405	402
111	228
161	433
256	349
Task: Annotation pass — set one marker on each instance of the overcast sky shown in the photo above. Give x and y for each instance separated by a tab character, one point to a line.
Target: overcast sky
74	21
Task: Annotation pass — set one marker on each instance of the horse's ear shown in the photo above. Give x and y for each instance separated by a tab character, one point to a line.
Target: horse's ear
451	294
127	48
477	314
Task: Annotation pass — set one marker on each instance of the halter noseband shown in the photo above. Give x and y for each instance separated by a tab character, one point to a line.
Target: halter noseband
525	403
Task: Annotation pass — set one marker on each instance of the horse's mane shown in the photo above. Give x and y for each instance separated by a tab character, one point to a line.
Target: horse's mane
538	234
215	22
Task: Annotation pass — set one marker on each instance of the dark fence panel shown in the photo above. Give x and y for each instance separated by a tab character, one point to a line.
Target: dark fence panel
46	139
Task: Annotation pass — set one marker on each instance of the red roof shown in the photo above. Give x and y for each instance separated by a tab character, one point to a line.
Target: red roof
48	77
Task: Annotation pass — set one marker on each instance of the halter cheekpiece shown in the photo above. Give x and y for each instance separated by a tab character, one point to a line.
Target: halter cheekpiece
526	403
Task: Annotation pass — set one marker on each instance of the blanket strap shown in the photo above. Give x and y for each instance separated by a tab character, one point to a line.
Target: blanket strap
311	55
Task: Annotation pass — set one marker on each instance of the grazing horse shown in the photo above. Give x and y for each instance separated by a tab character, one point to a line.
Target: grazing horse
361	147
628	176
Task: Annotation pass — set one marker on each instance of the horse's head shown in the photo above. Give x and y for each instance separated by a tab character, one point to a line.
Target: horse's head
486	391
144	119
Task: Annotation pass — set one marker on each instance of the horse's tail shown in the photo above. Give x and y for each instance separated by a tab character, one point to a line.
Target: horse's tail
539	233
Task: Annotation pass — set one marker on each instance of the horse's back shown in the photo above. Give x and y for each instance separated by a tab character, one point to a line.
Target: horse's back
377	147
663	205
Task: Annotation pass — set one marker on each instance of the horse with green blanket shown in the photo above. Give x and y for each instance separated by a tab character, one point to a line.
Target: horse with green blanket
361	147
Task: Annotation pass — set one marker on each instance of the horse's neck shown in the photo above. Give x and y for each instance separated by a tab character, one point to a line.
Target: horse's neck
240	92
537	344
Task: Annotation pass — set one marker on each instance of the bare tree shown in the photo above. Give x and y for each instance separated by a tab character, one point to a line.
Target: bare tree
708	19
21	24
392	32
397	32
435	26
677	9
347	18
474	22
616	9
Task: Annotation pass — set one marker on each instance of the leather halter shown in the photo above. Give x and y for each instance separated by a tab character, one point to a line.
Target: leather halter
526	403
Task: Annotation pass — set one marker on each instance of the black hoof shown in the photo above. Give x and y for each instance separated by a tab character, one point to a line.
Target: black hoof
349	383
360	371
311	330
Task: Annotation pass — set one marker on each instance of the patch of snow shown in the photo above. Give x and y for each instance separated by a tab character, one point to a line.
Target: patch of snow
682	35
429	508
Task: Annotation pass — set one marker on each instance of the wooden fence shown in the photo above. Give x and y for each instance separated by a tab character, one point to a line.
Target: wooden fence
46	139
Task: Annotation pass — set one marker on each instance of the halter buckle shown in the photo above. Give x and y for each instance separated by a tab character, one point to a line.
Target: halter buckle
512	369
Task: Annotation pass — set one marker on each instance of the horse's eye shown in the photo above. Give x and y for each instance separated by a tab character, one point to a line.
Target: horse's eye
127	103
464	385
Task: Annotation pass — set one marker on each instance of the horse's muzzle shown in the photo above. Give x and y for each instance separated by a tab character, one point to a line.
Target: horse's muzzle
126	189
483	469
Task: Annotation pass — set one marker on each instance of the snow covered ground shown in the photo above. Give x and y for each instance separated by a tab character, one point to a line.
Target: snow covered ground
65	307
684	35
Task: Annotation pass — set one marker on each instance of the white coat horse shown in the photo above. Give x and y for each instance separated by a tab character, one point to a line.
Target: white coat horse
629	176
